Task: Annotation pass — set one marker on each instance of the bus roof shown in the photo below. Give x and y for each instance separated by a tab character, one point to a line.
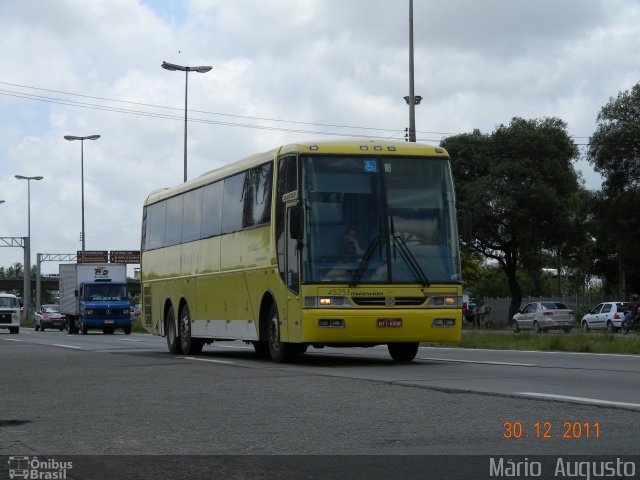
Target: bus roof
331	147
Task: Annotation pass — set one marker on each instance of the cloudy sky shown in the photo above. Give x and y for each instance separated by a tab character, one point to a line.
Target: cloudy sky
283	71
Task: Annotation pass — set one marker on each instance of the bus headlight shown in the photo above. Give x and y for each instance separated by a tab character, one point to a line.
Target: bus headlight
446	301
443	322
326	302
331	323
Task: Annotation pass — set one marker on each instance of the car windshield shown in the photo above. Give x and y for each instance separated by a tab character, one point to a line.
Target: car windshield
553	306
52	308
9	302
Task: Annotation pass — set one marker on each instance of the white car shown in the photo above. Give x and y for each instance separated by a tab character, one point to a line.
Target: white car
9	312
544	316
607	315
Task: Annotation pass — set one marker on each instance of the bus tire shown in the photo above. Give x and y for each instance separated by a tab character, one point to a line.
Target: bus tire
281	352
173	342
261	348
403	352
71	325
127	330
189	345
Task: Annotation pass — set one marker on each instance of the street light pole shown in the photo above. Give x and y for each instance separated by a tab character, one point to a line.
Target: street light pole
82	139
186	70
412	99
27	253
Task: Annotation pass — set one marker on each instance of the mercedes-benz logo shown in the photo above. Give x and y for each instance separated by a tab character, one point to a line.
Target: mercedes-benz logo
108	312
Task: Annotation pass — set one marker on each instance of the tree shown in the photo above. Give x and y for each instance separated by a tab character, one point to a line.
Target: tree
614	152
516	183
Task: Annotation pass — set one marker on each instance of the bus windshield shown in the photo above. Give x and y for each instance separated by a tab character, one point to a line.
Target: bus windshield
378	220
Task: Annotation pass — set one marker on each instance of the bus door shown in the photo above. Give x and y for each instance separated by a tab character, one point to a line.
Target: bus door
287	249
293	272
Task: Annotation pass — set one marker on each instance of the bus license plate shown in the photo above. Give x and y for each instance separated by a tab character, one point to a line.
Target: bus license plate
108	322
389	322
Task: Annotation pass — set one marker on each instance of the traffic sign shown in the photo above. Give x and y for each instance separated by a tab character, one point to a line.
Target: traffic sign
124	256
93	256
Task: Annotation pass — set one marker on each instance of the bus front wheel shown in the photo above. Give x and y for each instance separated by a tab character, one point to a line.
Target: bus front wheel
403	352
173	342
281	352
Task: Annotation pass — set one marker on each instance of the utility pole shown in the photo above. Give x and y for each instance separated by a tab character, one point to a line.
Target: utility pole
412	99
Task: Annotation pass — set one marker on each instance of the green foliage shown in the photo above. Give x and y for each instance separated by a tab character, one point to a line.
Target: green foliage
614	152
517	183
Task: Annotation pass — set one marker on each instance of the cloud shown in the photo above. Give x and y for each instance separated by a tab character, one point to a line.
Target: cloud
313	67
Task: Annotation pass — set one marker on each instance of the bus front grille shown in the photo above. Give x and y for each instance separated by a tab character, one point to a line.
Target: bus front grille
388	301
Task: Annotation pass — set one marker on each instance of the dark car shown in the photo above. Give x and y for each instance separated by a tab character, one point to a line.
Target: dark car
49	316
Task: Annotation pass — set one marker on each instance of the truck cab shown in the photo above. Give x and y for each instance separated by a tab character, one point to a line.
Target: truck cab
9	312
104	305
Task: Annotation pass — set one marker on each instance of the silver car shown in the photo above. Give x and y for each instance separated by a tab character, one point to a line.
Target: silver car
544	316
607	315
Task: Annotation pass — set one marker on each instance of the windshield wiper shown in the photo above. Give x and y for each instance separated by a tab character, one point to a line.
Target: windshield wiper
411	261
362	266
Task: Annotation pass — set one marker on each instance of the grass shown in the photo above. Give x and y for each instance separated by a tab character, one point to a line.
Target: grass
559	342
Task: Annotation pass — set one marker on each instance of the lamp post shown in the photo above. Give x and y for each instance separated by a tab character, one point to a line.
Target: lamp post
82	139
412	99
27	253
186	70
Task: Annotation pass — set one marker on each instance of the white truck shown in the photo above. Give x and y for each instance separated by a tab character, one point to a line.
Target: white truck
9	312
95	296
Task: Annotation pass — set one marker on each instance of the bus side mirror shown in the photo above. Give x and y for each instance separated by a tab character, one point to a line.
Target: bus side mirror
295	222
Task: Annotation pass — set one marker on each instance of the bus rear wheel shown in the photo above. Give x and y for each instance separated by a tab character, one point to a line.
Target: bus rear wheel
403	352
190	345
173	342
281	352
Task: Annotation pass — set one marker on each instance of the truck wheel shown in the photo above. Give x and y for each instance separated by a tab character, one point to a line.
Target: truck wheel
190	346
173	342
83	328
14	330
127	330
71	325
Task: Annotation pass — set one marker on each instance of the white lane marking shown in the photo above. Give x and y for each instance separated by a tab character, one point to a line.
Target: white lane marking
209	360
12	340
483	362
595	401
545	352
67	346
129	340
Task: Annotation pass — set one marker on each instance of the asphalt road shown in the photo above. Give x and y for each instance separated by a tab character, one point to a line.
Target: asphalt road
125	395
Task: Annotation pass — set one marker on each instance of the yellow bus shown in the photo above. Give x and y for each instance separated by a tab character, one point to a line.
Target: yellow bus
343	243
